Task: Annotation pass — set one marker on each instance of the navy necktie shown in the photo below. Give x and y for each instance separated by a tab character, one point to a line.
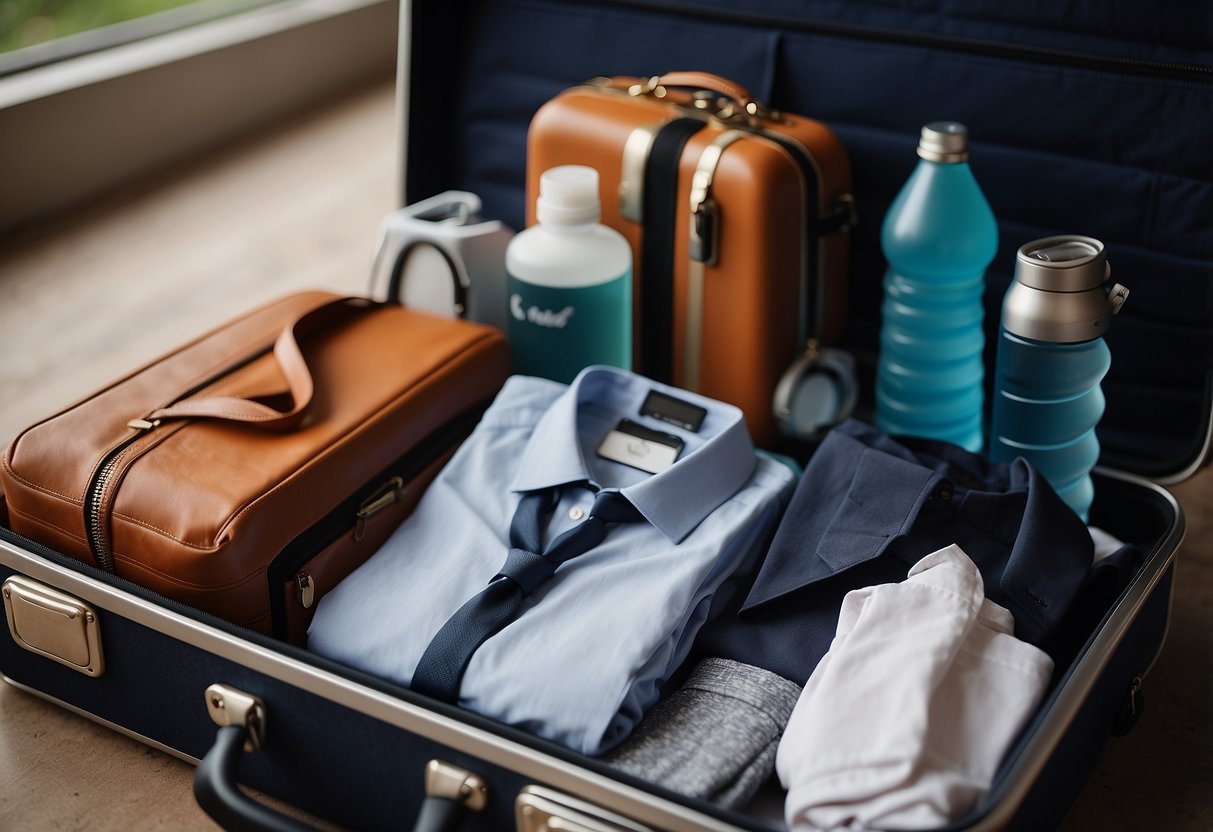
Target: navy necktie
440	671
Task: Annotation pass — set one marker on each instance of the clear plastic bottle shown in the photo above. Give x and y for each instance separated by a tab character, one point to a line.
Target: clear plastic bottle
938	238
569	283
1051	359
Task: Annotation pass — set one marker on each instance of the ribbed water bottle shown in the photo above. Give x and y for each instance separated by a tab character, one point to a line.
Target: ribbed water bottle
1051	359
938	238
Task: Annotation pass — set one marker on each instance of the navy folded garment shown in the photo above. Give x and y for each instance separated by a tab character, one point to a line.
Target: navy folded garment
867	508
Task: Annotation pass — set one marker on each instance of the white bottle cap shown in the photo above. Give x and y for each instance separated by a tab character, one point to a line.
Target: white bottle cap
568	195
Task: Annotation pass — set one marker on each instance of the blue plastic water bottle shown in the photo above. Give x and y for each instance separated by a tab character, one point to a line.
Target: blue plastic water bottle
1051	359
938	238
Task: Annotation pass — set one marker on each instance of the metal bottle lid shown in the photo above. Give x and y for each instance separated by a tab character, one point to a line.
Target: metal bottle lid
944	141
1058	293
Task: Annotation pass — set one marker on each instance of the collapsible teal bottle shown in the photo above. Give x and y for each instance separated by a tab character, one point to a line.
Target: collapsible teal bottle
1051	359
938	238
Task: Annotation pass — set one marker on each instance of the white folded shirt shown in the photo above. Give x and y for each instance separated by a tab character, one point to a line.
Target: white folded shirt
905	721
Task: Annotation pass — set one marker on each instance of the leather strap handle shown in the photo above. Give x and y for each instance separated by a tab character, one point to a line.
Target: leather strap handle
738	104
294	369
706	81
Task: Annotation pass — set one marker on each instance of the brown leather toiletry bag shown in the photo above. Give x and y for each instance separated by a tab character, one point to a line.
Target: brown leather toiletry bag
248	471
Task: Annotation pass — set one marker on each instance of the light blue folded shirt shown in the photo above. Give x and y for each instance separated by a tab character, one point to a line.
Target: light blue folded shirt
587	654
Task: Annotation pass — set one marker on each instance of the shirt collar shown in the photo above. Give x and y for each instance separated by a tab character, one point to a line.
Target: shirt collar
715	462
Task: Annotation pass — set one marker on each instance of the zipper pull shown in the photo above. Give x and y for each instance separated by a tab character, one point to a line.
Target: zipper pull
1131	708
387	494
307	589
143	424
1134	696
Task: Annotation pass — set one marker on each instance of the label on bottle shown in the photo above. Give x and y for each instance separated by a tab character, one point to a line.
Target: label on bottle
554	332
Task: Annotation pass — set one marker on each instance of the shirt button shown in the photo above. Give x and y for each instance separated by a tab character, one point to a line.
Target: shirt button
576	513
944	492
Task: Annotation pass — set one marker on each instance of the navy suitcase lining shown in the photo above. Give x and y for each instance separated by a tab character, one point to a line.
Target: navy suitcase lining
1126	171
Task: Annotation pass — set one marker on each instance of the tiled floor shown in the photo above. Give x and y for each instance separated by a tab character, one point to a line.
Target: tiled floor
101	291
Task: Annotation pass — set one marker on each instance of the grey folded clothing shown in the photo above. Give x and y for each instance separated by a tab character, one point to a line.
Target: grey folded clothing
715	737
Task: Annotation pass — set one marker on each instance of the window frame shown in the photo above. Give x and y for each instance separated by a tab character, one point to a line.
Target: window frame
74	129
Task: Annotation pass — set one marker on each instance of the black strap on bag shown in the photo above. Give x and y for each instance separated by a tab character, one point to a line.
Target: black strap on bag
657	248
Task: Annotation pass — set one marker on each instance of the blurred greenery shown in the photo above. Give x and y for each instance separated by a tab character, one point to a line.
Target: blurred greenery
26	22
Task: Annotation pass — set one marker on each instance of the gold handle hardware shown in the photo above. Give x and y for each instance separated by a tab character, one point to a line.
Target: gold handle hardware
228	706
752	113
453	783
651	86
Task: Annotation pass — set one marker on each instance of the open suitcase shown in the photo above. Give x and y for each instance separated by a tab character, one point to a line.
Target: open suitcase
368	754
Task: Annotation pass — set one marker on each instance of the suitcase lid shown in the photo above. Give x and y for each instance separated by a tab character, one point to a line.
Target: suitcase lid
1097	132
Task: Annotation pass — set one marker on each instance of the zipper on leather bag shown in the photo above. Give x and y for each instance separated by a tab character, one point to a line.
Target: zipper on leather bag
287	565
92	509
94	521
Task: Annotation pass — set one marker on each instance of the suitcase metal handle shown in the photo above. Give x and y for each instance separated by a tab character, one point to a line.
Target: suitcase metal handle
450	792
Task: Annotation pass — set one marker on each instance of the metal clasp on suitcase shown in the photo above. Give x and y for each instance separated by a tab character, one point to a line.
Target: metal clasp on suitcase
53	624
543	810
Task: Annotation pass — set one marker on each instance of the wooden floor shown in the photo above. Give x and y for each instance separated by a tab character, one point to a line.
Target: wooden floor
101	291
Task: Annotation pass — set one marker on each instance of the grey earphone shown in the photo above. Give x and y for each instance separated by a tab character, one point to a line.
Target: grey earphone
816	392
